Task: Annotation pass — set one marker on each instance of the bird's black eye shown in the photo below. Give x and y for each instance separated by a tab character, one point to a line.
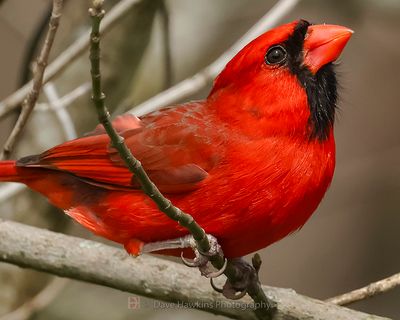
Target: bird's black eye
276	55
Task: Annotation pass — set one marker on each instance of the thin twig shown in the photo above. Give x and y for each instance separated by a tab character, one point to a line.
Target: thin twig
166	35
189	86
134	165
97	263
368	291
60	111
38	302
67	99
67	56
30	101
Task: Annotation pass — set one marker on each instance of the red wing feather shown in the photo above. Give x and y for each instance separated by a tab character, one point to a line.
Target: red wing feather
177	154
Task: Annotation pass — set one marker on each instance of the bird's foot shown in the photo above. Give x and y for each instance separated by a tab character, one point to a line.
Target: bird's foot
244	279
201	259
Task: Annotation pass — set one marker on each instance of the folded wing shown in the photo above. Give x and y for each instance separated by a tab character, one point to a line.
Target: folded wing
178	147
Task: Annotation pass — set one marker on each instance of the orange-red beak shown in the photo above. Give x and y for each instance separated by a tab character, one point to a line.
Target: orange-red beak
323	44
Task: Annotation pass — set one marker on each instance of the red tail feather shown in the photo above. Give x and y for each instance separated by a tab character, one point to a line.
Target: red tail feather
8	171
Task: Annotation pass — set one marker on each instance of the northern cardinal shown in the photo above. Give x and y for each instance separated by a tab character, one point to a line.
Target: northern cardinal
250	163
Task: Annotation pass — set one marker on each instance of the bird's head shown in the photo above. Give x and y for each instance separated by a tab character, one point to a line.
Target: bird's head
285	79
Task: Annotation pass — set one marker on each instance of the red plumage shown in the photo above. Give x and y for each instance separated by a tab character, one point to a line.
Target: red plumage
244	162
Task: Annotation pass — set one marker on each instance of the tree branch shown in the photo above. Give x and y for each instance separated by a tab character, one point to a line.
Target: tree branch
166	38
40	301
368	291
93	262
67	56
31	98
62	114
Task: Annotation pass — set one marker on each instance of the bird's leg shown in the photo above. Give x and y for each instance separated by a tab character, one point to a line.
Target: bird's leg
177	243
201	259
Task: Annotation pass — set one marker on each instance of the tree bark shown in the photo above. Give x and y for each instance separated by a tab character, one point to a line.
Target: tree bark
146	275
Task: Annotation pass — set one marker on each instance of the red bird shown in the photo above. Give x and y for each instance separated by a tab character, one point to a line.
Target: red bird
250	163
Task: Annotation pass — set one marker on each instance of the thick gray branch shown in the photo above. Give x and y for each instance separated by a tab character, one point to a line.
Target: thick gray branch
149	276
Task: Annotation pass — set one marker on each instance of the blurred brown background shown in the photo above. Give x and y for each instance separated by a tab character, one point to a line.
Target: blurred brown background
353	238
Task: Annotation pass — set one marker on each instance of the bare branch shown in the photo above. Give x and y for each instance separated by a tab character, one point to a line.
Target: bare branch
368	291
67	56
166	34
146	275
67	99
61	112
30	101
187	87
38	302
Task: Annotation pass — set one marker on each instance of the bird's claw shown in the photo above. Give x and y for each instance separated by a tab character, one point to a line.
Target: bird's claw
198	262
248	278
216	274
228	290
202	259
